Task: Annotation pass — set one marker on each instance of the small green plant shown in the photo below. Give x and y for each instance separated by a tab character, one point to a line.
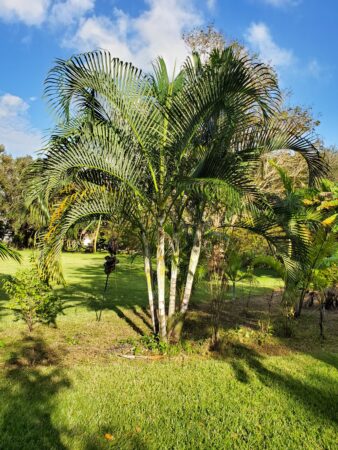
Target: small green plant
152	343
72	340
31	299
265	330
265	326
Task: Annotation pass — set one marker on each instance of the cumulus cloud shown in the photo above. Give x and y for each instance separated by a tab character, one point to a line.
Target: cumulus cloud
260	39
154	32
16	132
67	12
101	32
12	105
36	12
29	12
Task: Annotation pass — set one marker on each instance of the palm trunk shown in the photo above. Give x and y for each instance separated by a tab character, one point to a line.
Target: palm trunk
308	278
194	258
161	282
148	274
173	278
96	235
233	290
321	314
300	304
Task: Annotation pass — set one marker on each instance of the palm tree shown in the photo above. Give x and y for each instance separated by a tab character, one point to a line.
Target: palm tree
234	269
132	146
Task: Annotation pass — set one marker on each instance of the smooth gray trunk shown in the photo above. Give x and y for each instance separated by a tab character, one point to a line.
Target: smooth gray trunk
148	274
173	278
194	258
161	283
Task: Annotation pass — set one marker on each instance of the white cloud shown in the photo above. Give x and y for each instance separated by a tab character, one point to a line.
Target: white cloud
282	3
16	132
100	32
211	4
31	12
68	11
260	40
11	105
155	32
35	12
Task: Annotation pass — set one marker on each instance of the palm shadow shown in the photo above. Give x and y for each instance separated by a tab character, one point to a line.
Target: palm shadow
27	397
126	319
245	362
121	296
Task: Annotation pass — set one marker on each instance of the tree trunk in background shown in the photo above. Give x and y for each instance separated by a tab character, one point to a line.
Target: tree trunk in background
173	278
96	235
321	316
233	290
161	282
150	288
300	304
194	258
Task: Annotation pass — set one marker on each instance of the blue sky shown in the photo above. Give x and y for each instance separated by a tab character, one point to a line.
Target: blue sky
299	37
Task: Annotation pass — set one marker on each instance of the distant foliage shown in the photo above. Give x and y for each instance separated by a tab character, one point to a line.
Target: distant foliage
31	299
15	221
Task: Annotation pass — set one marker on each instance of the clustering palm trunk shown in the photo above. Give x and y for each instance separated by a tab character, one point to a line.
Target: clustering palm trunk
161	281
194	258
149	280
173	276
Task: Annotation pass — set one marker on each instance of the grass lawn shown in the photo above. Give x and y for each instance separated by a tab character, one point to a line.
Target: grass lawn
66	388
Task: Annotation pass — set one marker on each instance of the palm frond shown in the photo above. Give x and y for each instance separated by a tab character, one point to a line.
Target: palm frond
6	252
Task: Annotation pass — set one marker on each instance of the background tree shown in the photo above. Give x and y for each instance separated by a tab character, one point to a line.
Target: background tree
15	221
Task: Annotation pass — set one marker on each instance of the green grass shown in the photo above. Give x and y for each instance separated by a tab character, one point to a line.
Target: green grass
66	388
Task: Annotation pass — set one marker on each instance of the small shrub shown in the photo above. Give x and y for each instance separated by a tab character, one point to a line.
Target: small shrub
265	330
284	327
152	343
31	299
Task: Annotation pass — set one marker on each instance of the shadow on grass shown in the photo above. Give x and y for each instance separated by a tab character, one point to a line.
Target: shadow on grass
128	321
126	291
328	358
27	397
29	392
320	399
143	317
